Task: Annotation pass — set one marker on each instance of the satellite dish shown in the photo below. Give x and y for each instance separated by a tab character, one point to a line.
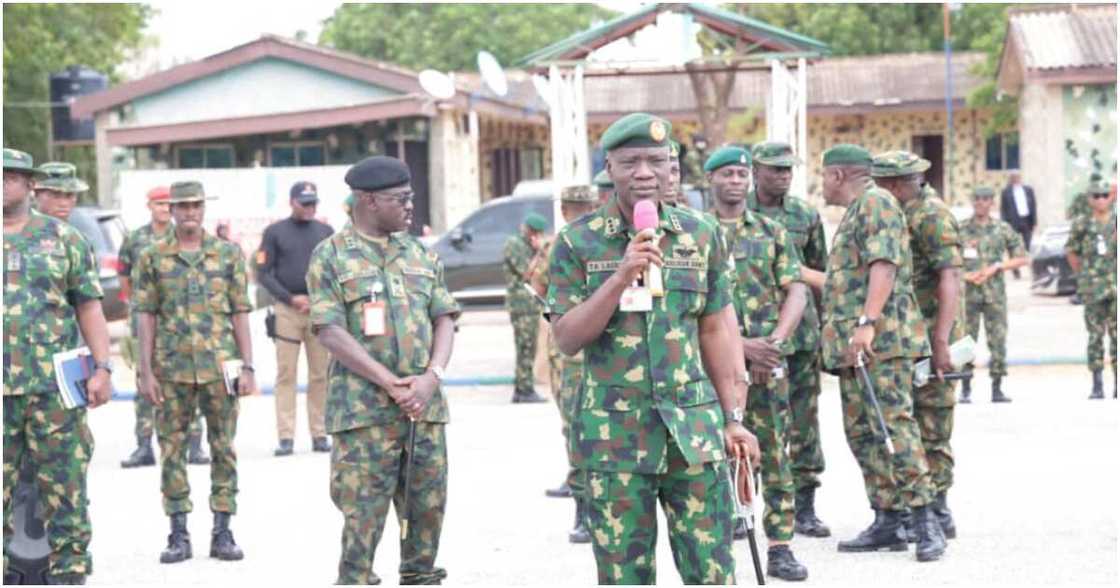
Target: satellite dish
544	89
438	84
492	73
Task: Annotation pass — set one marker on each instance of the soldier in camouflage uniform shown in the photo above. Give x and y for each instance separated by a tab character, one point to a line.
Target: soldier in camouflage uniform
380	305
773	171
1091	250
870	311
769	300
604	185
193	287
56	192
567	371
986	240
935	248
51	290
133	243
524	311
656	409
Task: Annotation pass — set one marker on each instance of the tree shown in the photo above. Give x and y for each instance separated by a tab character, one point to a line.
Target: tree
40	39
448	36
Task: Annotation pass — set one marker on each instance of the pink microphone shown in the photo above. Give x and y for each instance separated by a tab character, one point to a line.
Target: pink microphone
645	217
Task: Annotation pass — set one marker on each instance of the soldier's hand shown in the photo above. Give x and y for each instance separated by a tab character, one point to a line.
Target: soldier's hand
301	303
641	252
760	375
861	343
761	352
246	383
941	360
149	388
421	388
99	388
741	443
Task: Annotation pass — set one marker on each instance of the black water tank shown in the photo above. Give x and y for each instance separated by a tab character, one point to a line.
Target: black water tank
66	85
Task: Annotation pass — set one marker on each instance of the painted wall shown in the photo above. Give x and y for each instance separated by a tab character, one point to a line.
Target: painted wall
454	170
1089	143
1041	135
266	86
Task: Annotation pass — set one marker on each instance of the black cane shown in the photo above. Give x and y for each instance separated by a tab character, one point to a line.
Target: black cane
746	511
408	478
870	390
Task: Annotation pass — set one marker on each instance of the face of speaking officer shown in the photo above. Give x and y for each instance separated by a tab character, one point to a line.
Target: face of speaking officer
638	173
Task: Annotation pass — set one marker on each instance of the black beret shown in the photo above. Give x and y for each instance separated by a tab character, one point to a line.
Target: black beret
378	173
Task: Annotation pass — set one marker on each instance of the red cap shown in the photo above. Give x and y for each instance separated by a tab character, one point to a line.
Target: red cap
159	193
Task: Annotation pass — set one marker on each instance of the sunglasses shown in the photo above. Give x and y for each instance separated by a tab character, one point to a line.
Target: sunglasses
402	198
1100	196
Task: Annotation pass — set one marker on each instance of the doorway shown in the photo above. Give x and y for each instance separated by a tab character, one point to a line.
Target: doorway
932	147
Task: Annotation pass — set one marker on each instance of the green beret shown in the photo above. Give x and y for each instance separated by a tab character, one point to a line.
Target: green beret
983	192
603	181
846	154
188	192
61	177
893	164
578	194
636	130
536	222
674	149
19	161
728	155
774	153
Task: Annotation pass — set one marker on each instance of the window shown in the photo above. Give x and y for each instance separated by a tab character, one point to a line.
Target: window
511	165
204	156
1002	152
296	154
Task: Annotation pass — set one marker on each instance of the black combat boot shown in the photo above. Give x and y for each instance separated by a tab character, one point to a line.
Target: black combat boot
780	563
805	519
142	456
178	542
997	394
320	445
561	491
222	545
527	397
286	447
1114	383
931	541
966	391
1098	386
882	534
197	455
906	530
580	533
944	516
66	579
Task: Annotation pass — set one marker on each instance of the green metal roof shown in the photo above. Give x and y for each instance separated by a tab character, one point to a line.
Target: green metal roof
770	37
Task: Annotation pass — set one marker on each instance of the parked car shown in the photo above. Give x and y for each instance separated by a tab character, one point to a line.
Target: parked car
105	232
472	251
1050	269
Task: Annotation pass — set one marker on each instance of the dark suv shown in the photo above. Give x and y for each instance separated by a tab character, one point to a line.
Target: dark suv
472	251
104	230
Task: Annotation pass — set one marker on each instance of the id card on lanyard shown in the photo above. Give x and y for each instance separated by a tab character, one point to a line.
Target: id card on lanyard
374	315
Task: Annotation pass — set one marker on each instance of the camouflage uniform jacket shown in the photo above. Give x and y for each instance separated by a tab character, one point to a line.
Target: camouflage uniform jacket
49	269
1087	238
805	232
873	229
135	242
349	270
540	277
516	255
644	381
935	244
985	244
762	262
194	300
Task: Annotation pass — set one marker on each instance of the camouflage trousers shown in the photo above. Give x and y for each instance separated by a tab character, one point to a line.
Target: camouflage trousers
58	444
768	417
933	409
806	456
180	401
525	327
622	518
146	414
1100	320
367	472
565	376
994	314
905	479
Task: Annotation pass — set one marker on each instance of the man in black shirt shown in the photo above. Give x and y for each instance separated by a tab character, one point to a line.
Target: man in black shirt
282	268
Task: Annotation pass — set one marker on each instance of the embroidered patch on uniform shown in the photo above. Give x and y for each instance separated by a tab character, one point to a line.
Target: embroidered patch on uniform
657	131
603	265
685	251
418	271
697	263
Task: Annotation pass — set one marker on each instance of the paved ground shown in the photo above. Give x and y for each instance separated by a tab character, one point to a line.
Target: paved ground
1035	494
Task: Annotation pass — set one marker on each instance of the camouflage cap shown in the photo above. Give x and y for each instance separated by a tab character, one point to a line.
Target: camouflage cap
1098	187
846	154
578	194
774	153
188	192
603	181
727	155
637	129
893	164
983	192
19	161
536	222
60	177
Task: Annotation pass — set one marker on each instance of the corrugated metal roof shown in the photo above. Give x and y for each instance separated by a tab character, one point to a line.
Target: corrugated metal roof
1067	38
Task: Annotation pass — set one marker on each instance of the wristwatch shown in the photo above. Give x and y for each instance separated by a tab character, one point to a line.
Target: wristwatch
437	372
104	365
865	321
736	415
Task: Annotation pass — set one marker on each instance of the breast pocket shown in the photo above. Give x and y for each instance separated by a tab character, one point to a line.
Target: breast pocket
686	289
418	283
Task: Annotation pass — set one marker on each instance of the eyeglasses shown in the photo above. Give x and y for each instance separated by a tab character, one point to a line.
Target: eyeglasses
403	198
1100	196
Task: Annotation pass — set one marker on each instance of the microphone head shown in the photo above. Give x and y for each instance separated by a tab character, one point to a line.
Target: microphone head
645	215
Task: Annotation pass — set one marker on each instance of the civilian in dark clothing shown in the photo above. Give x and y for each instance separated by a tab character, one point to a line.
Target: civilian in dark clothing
1017	207
282	269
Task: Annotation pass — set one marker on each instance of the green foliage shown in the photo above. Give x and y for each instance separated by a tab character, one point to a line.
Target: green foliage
40	39
448	36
